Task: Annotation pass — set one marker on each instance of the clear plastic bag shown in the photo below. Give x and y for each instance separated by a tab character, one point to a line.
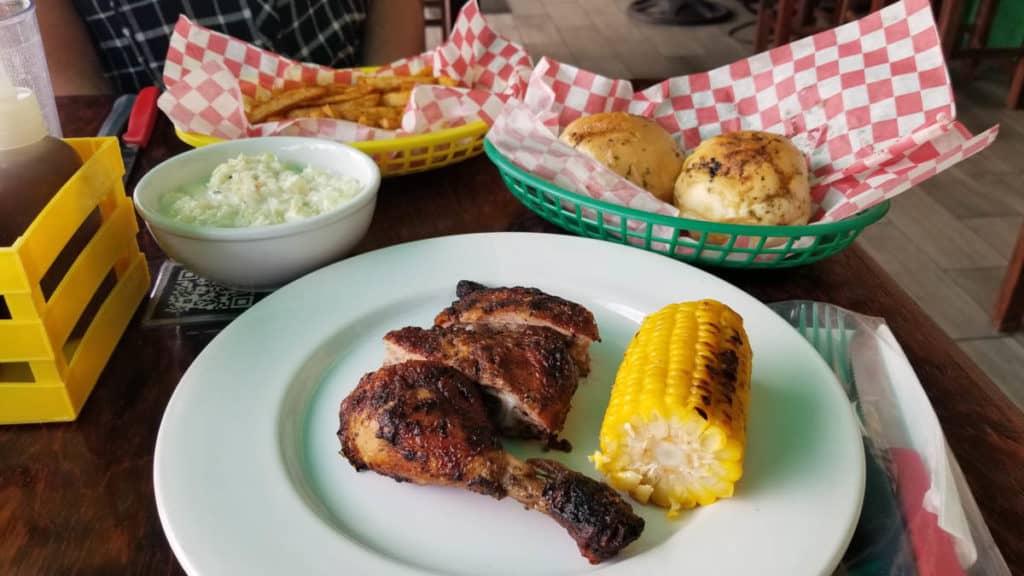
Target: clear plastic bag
919	517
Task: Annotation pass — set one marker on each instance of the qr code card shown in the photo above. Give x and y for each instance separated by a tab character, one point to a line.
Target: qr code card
181	297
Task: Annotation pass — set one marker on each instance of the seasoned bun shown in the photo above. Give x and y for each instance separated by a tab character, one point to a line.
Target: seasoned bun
636	148
745	177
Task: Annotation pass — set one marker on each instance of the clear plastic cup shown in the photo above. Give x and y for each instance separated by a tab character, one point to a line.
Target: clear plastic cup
21	54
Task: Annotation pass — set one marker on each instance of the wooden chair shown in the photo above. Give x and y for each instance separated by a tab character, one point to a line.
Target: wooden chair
779	22
1009	308
952	30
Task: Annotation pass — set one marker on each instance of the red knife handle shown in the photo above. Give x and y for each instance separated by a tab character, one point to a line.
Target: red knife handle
140	123
934	549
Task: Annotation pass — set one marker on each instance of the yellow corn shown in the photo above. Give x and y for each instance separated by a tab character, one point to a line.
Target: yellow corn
675	428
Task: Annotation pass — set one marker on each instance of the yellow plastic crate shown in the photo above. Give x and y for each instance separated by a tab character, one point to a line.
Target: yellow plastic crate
45	375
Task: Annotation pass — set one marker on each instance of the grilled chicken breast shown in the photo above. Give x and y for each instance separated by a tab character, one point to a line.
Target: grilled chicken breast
518	306
527	374
426	423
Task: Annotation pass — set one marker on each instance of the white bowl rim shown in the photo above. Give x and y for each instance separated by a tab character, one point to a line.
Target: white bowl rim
153	217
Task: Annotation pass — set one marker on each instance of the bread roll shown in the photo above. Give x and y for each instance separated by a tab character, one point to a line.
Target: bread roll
636	148
745	177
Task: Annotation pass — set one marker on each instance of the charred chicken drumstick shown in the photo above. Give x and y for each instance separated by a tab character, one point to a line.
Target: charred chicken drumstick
426	423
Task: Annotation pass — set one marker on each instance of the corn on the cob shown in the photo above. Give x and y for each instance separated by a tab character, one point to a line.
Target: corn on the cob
675	428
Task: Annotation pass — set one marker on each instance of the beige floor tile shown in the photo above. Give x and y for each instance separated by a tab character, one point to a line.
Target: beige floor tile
538	29
964	197
512	34
993	162
1002	157
615	25
587	42
527	7
505	25
590	5
679	41
987	166
951	307
945	239
983	104
727	53
642	64
607	65
999	233
981	284
1003	360
568	13
1008	188
555	50
1011	122
877	239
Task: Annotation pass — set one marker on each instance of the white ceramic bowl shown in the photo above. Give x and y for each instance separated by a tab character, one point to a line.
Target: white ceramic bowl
260	257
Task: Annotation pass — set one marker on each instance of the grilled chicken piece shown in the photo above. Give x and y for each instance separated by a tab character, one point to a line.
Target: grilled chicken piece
596	517
426	423
527	375
518	306
422	422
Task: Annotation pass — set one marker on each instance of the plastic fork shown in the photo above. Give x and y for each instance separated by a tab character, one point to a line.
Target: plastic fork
883	543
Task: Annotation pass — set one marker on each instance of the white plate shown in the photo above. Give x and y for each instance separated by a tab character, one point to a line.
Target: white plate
249	479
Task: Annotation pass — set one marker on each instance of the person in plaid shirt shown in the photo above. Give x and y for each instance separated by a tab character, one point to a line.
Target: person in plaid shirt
98	46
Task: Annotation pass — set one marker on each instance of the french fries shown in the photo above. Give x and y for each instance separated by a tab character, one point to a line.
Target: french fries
396	99
391	83
310	112
345	94
372	101
284	100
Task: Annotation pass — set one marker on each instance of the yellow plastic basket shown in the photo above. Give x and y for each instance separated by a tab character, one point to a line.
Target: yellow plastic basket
405	155
46	372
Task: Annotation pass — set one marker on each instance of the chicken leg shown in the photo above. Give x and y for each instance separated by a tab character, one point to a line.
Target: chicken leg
426	423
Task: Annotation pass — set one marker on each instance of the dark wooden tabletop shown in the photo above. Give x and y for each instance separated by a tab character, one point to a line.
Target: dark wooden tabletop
77	498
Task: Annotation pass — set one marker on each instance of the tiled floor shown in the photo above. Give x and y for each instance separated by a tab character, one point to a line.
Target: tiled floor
946	242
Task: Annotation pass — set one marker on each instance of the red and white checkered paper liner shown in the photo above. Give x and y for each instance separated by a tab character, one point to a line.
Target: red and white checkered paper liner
206	74
869	103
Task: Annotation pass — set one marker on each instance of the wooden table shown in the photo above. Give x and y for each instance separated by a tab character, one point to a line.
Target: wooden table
78	498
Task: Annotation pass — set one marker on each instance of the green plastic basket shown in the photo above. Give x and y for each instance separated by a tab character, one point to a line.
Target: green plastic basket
734	245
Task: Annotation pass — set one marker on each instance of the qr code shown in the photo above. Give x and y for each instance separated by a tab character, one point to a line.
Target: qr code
183	297
193	292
